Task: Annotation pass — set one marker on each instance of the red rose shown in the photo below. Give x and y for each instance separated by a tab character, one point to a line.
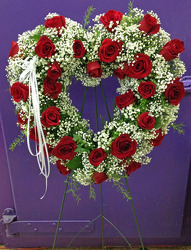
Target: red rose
65	148
14	49
146	89
51	88
140	68
21	120
79	49
146	121
34	136
123	146
111	15
158	140
62	169
94	69
54	71
132	166
51	117
119	73
125	100
109	50
175	92
98	178
149	25
55	22
44	47
172	49
96	156
19	91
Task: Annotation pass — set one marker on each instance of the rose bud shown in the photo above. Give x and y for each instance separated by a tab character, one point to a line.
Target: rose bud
21	119
62	168
111	15
54	70
55	22
175	92
159	138
96	156
132	166
79	49
51	88
125	100
94	69
14	49
149	25
172	49
98	178
119	73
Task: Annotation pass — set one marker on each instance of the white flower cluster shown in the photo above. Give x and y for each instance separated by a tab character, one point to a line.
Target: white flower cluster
125	119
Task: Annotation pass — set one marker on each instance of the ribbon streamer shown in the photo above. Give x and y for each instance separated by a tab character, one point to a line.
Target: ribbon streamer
29	74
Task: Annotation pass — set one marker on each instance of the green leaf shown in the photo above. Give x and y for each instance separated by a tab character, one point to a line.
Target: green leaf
75	163
157	122
36	37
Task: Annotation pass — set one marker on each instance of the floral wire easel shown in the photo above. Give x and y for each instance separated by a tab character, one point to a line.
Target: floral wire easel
101	192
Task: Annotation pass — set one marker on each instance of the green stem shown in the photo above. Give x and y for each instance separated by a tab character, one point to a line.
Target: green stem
101	195
135	217
83	100
96	108
105	102
61	210
82	230
118	231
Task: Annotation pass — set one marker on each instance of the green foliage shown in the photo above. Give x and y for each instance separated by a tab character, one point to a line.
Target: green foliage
130	6
74	189
17	141
143	105
88	13
157	122
178	127
75	163
122	190
82	145
92	193
37	36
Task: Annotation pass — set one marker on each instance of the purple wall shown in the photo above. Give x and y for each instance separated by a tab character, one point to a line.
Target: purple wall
159	190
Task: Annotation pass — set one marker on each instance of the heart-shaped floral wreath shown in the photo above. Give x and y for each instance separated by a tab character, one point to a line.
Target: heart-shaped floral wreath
138	52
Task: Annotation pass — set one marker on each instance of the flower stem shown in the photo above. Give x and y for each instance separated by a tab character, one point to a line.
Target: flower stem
61	210
105	102
135	217
101	195
83	100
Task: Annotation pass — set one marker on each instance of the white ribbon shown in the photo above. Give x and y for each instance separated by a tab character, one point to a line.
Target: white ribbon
29	74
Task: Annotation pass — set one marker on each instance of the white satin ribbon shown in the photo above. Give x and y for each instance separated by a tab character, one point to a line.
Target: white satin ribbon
29	74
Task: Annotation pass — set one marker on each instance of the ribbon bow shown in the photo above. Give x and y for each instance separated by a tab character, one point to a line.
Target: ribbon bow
29	74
